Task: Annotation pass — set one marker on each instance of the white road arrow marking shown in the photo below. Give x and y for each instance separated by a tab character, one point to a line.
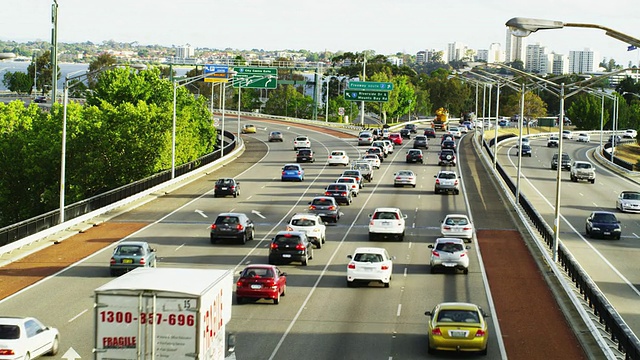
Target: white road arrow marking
71	354
257	213
201	213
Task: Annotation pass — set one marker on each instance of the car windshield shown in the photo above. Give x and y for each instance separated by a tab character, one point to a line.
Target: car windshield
9	332
386	215
631	196
227	220
129	250
605	218
303	222
444	175
322	202
464	316
405	173
258	273
363	257
291	167
449	247
287	239
456	221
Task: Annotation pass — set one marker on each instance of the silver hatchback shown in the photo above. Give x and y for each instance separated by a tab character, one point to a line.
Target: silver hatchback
449	253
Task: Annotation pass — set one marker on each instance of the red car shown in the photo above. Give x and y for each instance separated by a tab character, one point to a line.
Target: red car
261	282
396	138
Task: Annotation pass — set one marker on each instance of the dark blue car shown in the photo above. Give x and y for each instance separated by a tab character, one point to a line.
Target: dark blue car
603	224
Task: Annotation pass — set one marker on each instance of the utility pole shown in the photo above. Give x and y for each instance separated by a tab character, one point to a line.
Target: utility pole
54	50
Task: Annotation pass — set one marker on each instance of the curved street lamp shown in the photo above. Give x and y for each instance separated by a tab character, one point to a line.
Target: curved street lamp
7	55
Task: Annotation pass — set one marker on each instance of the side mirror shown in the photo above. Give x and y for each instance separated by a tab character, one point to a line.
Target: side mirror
309	203
154	250
349	257
392	258
240	272
370	215
404	216
467	247
435	176
283	274
430	246
237	182
428	313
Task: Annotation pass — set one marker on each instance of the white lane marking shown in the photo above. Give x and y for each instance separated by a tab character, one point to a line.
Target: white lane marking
410	244
405	272
77	316
249	197
399	310
179	247
201	213
634	234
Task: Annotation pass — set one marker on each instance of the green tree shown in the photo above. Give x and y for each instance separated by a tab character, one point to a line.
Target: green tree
103	60
18	82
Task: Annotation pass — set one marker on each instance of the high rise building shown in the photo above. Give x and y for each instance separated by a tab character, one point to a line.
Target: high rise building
421	57
583	62
185	52
515	48
538	59
456	52
560	64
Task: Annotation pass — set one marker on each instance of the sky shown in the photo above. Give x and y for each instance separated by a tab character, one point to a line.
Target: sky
385	26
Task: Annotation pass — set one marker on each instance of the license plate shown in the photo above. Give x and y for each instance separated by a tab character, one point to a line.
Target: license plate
607	233
127	261
286	255
256	286
449	264
385	223
458	333
368	269
322	214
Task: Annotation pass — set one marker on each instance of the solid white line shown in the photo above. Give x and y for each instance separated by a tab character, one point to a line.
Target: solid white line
77	316
405	272
399	310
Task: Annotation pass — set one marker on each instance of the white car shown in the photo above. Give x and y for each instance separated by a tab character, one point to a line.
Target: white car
338	157
353	183
449	253
525	141
630	134
369	264
373	159
387	222
300	142
404	177
389	144
27	338
566	134
312	225
457	226
455	131
584	137
628	201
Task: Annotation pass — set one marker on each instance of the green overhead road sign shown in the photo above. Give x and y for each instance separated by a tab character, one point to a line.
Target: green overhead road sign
366	95
255	77
370	85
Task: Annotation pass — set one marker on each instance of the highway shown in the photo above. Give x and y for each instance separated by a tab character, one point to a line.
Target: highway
319	317
612	264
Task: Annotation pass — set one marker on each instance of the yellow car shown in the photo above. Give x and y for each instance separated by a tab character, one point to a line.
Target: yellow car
246	129
458	326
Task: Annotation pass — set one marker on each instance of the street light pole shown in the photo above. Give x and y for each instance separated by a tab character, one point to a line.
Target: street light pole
520	120
54	50
326	103
556	219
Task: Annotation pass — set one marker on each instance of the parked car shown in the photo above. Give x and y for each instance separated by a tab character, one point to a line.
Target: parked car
458	327
628	201
261	281
356	174
404	177
226	186
292	172
414	155
584	137
338	157
396	138
447	181
341	192
232	226
312	225
305	155
300	142
603	224
365	138
249	129
457	226
326	207
447	157
420	141
129	255
387	222
430	133
27	338
369	264
449	253
290	246
276	136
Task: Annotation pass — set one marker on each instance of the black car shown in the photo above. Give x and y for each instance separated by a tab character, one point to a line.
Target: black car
526	150
341	192
566	162
415	155
40	100
405	133
226	186
448	144
447	157
430	133
326	207
290	246
232	226
420	141
603	224
305	155
412	128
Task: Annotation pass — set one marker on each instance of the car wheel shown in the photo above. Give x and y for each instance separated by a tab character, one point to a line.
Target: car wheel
372	237
235	194
239	300
323	239
318	244
284	290
617	237
350	283
113	272
213	239
305	261
483	352
593	181
310	253
456	192
215	195
436	191
55	346
414	185
243	239
386	285
401	236
276	300
465	271
432	270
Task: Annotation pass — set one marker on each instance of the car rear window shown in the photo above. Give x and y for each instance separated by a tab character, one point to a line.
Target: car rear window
227	220
337	153
446	176
449	247
225	182
322	202
303	222
447	152
287	239
291	167
9	332
304	152
386	215
337	187
301	138
365	257
458	316
258	273
456	221
129	250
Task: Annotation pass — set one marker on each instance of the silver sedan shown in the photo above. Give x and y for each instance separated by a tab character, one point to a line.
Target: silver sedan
404	177
457	226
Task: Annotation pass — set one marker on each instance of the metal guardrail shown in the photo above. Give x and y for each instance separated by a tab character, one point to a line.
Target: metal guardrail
23	229
620	333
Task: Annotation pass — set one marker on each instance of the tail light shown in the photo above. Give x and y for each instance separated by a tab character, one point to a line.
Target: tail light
112	261
300	247
213	226
332	207
273	246
351	266
330	157
371	222
299	172
435	253
384	267
447	227
289	228
480	333
233	187
240	283
142	261
398	178
312	207
455	182
420	156
343	194
239	227
283	173
436	331
462	255
216	187
438	181
466	228
5	352
327	193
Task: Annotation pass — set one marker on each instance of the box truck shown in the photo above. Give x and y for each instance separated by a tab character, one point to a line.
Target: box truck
164	313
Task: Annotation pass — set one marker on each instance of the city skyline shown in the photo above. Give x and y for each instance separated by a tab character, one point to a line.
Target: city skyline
404	26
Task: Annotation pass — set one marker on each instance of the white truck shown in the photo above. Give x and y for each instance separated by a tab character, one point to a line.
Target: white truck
583	170
164	313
